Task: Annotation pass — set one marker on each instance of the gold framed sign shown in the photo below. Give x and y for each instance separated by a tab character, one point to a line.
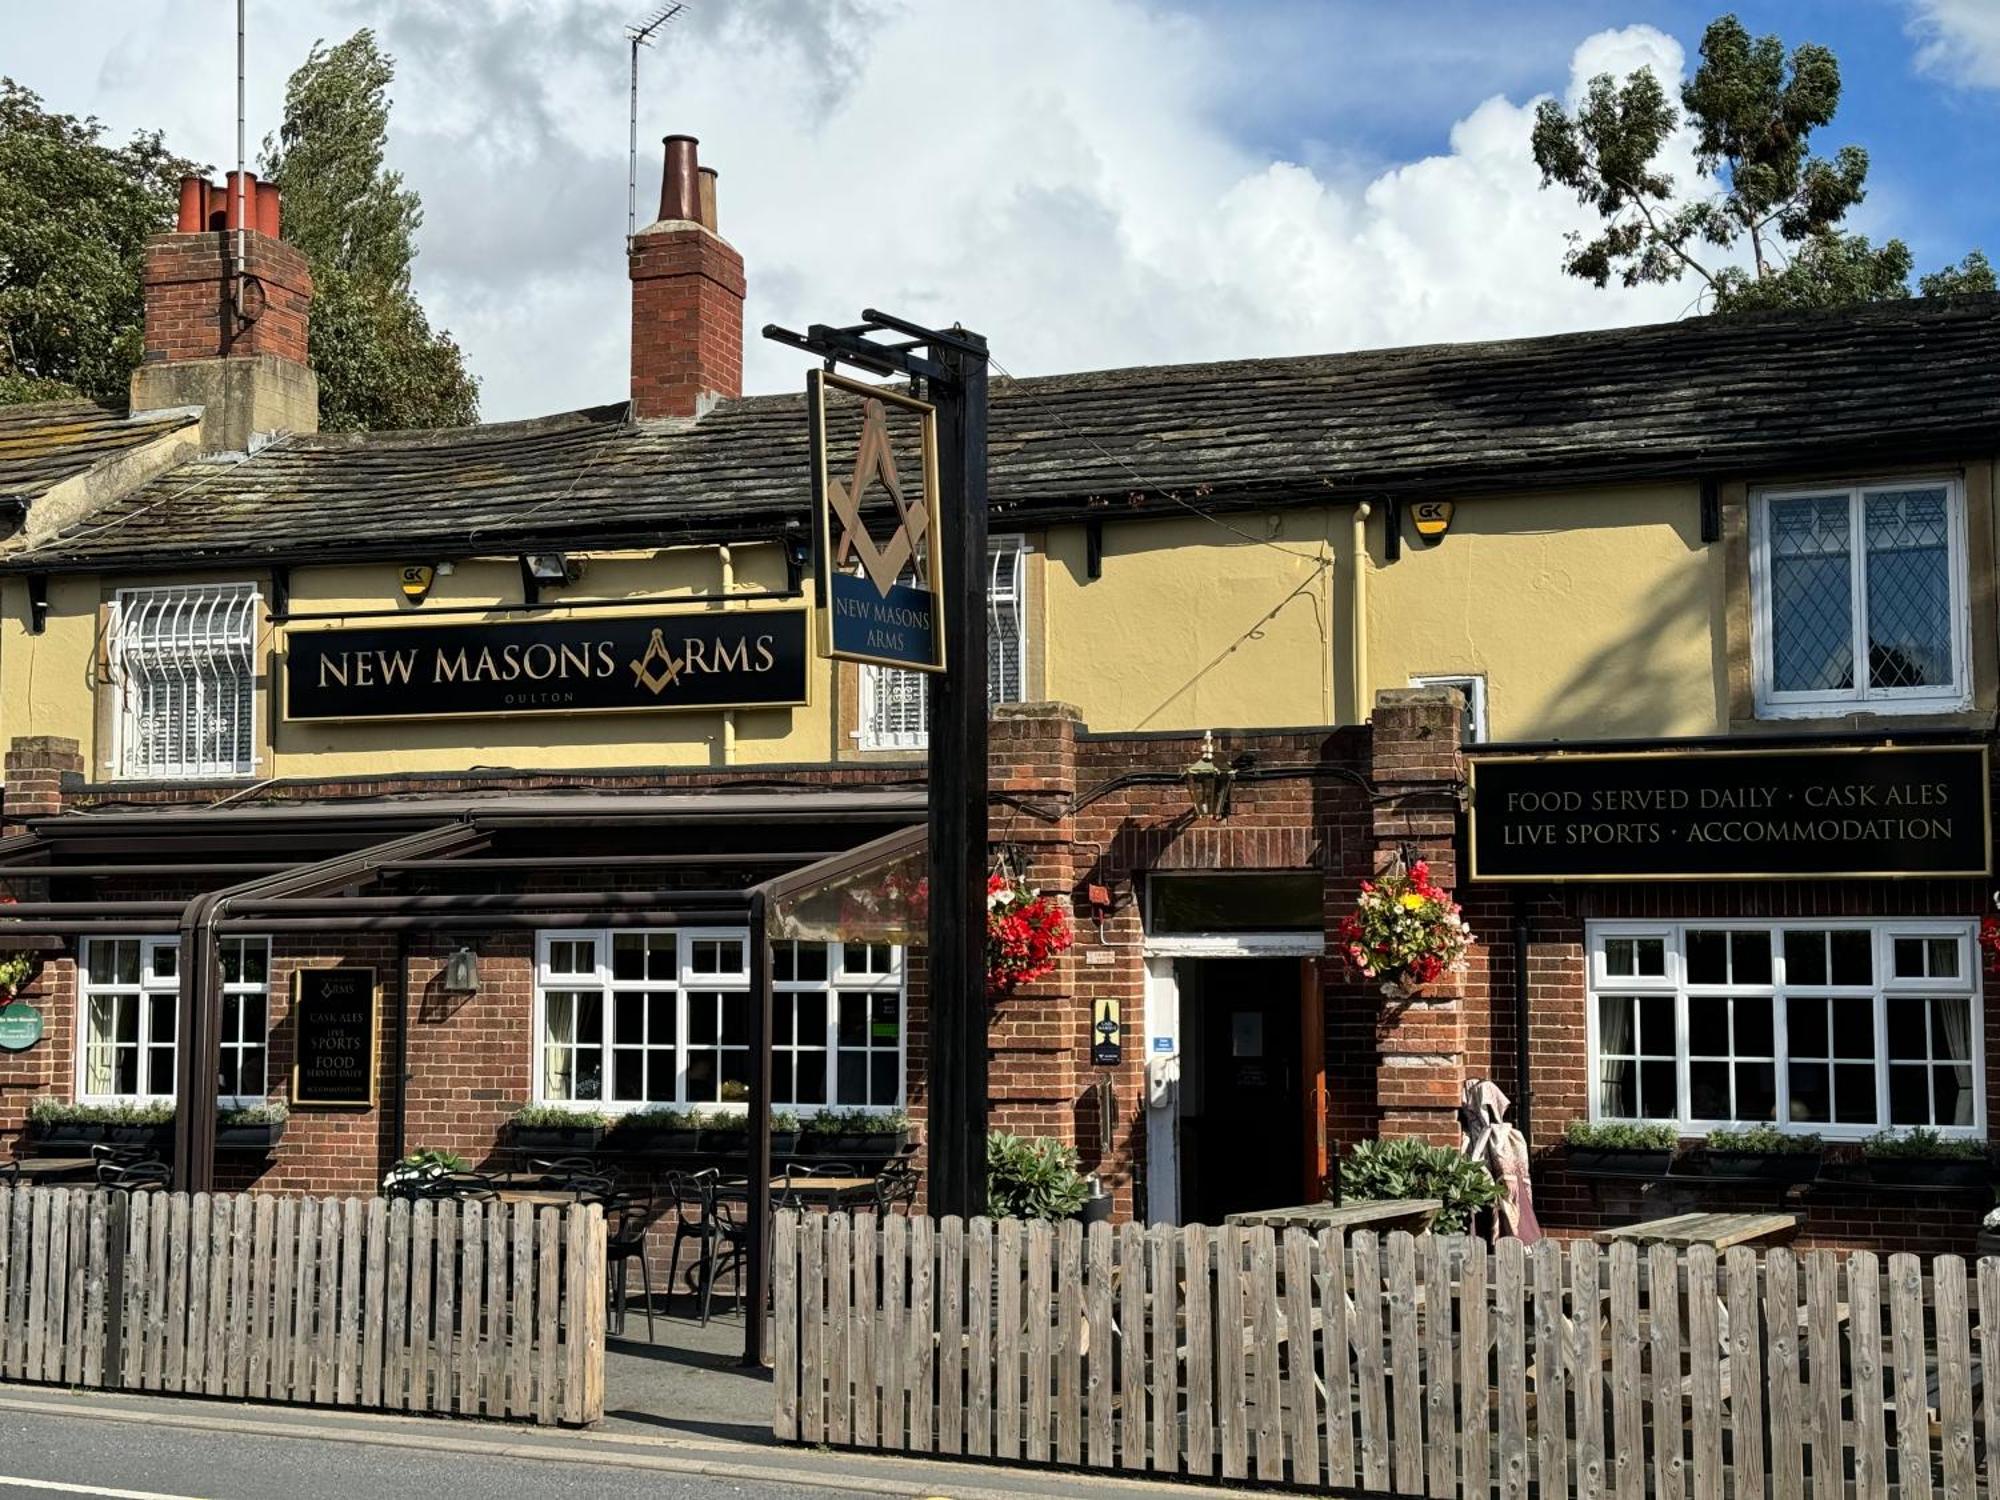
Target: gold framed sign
1828	812
334	1054
877	528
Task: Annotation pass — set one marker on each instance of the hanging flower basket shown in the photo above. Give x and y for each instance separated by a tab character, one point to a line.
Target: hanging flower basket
16	969
1405	932
1025	933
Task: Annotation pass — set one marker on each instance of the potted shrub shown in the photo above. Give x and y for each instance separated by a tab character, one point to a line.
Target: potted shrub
1376	1171
784	1133
1763	1153
557	1127
724	1132
255	1127
1033	1179
667	1132
1921	1157
833	1134
421	1165
878	1135
1620	1148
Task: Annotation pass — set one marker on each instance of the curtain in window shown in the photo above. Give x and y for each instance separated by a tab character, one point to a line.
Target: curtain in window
558	1049
1953	1019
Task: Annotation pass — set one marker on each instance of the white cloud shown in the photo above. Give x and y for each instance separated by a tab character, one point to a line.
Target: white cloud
1958	40
1048	172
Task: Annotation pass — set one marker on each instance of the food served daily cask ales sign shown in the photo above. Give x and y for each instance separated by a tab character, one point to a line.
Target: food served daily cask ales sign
333	1025
586	663
1826	811
877	546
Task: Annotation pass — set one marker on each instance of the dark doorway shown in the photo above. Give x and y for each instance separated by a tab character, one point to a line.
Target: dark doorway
1241	1087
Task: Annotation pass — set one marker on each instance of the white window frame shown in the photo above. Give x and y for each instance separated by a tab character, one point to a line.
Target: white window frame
1861	698
151	985
208	624
877	684
1886	988
1473	685
838	983
1280	944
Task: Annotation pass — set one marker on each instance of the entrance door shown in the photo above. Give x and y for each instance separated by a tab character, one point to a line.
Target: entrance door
1241	1085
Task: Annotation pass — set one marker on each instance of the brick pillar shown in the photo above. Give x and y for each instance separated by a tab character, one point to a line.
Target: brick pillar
1418	769
38	769
1039	1035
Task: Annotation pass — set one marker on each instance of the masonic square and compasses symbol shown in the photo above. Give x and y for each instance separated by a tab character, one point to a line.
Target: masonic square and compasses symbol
873	462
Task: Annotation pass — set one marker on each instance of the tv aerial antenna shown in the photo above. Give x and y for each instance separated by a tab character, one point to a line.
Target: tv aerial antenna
640	35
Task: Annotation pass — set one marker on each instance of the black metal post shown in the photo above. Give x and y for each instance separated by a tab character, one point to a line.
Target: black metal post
401	1142
757	1247
956	1130
1523	1093
199	1049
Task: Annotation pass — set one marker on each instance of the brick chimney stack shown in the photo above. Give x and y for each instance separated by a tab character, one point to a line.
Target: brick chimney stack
240	355
687	297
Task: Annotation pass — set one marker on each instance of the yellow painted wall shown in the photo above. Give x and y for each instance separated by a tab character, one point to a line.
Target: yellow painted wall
1195	624
1592	614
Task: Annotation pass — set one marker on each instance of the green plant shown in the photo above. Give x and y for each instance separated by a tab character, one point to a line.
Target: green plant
832	1122
271	1112
722	1119
557	1117
72	1112
16	969
784	1122
1377	1170
1032	1179
655	1119
427	1160
1620	1135
1765	1140
1921	1143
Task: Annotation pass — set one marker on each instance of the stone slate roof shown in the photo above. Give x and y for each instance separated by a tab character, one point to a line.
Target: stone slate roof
1907	381
47	442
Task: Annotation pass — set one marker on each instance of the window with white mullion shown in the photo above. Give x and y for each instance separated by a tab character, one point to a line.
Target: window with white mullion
1860	598
128	993
895	705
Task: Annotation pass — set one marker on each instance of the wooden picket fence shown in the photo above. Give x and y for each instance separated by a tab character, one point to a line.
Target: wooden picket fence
1411	1365
480	1310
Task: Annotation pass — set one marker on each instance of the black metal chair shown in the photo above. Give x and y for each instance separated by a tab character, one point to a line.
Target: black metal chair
688	1193
789	1194
135	1177
896	1187
624	1243
730	1245
10	1171
557	1171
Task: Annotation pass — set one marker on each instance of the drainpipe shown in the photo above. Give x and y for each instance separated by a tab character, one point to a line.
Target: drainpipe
1359	632
1523	1092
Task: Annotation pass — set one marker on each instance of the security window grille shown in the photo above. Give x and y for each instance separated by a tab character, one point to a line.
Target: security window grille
182	659
1861	599
130	999
630	1019
1834	1028
895	706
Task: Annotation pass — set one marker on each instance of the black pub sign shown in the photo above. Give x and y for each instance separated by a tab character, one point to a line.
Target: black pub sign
333	1029
1826	811
586	663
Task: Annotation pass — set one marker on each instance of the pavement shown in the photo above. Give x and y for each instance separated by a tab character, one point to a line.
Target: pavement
682	1417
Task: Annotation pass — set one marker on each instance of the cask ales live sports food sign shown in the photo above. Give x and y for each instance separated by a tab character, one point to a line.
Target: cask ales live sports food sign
588	663
1732	814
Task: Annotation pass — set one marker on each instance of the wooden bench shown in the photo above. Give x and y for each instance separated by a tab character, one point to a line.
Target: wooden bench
1413	1214
1719	1231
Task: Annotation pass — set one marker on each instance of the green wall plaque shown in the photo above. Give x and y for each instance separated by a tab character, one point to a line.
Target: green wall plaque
20	1027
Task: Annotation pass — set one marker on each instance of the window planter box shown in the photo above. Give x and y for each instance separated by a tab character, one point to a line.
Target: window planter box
853	1145
1618	1161
1789	1167
1930	1171
640	1140
557	1137
250	1138
158	1139
731	1140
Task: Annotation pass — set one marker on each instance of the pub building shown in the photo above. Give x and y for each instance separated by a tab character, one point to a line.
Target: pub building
409	779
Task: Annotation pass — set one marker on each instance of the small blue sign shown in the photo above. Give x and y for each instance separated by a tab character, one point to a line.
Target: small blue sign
899	629
1163	1044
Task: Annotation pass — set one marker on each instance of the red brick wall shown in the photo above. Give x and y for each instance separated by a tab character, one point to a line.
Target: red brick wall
687	321
189	280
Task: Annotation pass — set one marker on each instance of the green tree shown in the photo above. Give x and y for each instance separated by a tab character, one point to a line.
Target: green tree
1752	110
75	214
380	364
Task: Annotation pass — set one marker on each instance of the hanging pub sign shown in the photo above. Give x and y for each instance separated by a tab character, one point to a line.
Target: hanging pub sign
1828	811
877	547
333	1029
587	663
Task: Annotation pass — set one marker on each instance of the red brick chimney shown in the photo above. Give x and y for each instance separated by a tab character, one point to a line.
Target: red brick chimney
238	353
687	297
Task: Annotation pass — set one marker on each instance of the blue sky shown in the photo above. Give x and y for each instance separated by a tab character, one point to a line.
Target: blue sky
1088	182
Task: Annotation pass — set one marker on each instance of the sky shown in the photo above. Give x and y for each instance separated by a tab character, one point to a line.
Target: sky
1089	183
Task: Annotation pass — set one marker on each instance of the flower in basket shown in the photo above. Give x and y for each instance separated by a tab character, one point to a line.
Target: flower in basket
1025	932
1405	932
1989	935
16	969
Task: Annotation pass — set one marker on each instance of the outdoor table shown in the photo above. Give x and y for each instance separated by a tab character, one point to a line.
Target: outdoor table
832	1191
1718	1231
540	1197
1413	1214
54	1168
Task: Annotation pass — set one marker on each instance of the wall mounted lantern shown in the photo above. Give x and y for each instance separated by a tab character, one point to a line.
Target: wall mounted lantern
461	972
1208	782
